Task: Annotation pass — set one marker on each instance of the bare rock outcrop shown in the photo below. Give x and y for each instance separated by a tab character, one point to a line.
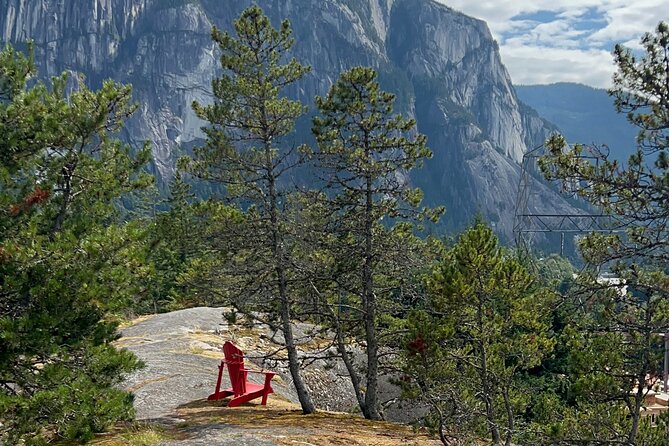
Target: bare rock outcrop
182	349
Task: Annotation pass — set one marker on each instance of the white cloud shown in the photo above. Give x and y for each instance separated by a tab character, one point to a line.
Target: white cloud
528	65
558	33
629	21
545	41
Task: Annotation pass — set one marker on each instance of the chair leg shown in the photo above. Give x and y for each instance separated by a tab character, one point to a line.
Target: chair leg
215	395
267	389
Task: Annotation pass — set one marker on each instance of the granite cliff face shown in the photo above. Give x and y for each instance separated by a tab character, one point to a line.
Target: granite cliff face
444	66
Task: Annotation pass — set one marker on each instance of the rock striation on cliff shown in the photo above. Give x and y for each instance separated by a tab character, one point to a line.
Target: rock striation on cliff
444	67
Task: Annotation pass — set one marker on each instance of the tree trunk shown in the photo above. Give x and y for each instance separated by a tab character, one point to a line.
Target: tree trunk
369	311
445	440
348	363
279	263
485	381
509	415
293	360
636	412
641	380
67	172
350	368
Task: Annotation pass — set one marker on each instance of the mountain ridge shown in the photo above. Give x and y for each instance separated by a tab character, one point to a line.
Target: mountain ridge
584	114
443	65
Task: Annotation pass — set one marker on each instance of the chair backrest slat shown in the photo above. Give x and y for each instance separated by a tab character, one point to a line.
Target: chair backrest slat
234	360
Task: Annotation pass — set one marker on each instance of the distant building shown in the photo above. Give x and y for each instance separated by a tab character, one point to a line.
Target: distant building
654	404
609	279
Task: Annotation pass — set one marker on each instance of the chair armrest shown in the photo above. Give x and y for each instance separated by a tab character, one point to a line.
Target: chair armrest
259	371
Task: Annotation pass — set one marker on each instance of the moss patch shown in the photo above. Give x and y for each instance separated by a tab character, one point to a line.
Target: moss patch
139	434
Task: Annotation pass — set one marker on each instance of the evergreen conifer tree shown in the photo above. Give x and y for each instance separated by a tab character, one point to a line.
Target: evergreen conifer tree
365	152
485	324
615	334
247	151
64	255
175	239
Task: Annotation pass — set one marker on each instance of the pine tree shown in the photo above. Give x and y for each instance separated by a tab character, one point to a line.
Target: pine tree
175	240
365	153
246	152
64	256
615	332
484	325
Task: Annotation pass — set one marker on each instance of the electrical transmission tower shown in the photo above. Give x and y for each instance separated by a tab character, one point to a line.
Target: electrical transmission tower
529	223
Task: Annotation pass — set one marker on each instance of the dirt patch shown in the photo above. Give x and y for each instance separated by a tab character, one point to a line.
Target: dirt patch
282	422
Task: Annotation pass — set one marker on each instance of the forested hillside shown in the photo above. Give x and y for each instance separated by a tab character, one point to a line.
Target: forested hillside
583	115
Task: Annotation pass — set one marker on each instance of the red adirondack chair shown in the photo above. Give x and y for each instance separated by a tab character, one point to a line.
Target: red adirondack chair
242	390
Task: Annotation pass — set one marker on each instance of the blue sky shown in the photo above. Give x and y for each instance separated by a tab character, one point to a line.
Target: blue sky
546	41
